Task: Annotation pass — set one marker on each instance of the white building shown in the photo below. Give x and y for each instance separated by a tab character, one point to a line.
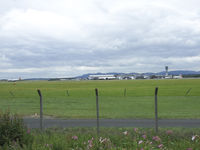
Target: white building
101	77
168	77
178	77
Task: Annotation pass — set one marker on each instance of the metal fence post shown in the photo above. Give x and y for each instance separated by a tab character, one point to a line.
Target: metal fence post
67	93
156	110
97	108
124	92
188	91
41	109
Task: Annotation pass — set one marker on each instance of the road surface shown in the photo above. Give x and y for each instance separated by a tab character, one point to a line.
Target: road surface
146	123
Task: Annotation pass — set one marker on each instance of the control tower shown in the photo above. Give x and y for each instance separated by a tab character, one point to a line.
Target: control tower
166	69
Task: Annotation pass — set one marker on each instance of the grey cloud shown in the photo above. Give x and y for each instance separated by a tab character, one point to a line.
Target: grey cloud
98	36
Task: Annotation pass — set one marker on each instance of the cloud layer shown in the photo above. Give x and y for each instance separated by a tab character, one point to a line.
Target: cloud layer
68	38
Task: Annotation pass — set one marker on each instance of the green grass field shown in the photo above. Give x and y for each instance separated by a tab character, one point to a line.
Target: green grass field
23	99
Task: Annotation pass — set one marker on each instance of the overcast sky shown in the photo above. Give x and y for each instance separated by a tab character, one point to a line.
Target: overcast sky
65	38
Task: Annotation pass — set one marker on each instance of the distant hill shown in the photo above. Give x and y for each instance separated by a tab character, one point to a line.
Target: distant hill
85	76
176	72
37	79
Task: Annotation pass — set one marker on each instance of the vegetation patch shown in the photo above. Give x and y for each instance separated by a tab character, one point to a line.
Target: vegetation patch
13	131
113	139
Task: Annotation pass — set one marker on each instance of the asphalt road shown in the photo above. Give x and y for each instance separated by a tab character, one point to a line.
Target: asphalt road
146	123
